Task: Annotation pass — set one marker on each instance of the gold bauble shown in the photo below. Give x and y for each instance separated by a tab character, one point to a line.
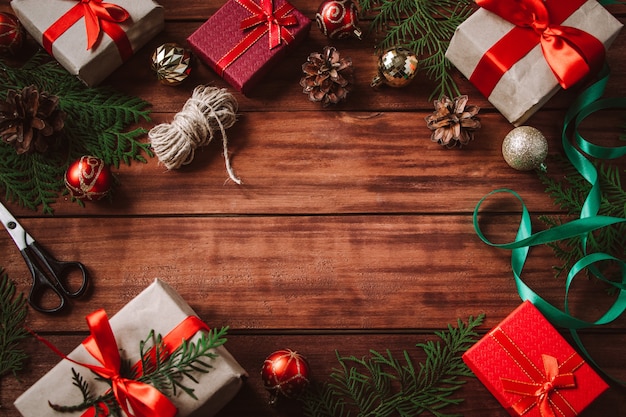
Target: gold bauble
396	67
525	148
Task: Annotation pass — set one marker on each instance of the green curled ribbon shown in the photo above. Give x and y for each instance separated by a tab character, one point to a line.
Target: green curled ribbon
589	102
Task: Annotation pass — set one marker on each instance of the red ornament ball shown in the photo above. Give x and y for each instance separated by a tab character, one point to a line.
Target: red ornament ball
88	178
285	372
338	19
11	34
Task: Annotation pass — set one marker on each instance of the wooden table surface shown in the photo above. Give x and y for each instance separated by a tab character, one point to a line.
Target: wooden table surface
352	230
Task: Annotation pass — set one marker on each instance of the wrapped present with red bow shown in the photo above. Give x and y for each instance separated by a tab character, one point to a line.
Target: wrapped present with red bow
244	39
118	352
90	38
519	53
531	369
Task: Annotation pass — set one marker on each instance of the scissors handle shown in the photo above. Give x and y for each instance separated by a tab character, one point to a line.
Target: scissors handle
53	278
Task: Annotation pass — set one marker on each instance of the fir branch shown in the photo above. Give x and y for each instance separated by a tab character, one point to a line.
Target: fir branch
381	385
425	27
96	124
166	372
569	194
13	312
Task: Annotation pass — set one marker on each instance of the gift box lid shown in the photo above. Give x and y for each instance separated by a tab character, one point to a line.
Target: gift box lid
160	308
517	350
92	66
222	33
529	83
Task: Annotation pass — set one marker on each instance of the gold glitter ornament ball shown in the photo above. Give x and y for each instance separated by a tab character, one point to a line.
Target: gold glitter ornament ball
525	148
171	63
396	68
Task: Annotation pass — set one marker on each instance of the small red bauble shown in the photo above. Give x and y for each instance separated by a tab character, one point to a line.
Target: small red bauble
285	372
11	34
338	19
88	178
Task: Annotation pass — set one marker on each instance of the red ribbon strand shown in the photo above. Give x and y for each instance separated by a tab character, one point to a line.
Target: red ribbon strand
99	17
136	398
542	388
263	19
571	53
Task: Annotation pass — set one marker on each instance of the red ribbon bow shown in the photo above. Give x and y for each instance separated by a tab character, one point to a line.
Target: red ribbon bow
136	398
570	52
99	17
264	19
543	388
264	16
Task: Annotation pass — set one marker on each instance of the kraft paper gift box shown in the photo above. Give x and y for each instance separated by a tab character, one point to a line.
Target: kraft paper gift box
526	364
241	46
61	28
157	308
530	82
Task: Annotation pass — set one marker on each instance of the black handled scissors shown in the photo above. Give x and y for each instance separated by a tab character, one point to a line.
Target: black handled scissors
49	274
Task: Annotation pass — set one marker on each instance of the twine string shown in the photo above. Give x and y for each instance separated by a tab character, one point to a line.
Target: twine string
208	111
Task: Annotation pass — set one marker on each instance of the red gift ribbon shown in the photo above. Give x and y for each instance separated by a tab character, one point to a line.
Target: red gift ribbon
571	53
99	17
263	19
137	399
543	388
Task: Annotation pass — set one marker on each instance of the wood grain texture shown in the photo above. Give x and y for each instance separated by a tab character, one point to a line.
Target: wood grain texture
352	230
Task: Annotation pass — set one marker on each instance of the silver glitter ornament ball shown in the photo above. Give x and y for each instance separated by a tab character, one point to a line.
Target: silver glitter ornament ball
525	148
396	68
171	63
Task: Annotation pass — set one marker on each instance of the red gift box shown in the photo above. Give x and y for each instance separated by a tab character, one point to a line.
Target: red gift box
531	369
245	38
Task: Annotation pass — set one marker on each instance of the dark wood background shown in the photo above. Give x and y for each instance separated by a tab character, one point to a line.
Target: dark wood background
352	230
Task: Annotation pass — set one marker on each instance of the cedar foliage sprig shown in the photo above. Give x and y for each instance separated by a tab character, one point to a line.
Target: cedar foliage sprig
167	372
569	194
425	27
382	385
96	124
13	312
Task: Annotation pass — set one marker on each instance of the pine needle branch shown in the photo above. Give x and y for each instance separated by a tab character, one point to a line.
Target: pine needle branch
98	121
425	27
382	385
13	312
569	193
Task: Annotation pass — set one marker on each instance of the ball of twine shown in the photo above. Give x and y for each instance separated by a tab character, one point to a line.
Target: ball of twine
209	110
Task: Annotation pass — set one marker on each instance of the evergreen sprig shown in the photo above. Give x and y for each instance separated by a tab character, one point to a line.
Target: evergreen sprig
424	27
13	312
569	193
97	124
382	385
168	373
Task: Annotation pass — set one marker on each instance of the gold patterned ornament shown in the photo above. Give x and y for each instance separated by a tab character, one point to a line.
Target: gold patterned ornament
396	68
171	63
453	122
525	148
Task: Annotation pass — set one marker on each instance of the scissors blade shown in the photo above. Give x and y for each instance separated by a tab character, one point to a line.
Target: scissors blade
21	238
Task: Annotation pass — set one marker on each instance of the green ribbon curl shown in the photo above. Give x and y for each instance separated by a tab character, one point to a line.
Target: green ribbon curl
587	103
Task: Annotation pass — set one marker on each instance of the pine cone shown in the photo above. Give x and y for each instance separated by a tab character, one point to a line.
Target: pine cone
29	120
453	123
327	77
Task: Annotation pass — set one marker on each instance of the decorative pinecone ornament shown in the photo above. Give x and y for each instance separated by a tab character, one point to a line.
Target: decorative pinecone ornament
328	77
30	120
453	122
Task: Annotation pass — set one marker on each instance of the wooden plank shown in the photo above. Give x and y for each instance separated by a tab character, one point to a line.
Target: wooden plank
303	272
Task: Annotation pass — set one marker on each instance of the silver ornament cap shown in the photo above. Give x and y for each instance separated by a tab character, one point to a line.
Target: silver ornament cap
525	148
